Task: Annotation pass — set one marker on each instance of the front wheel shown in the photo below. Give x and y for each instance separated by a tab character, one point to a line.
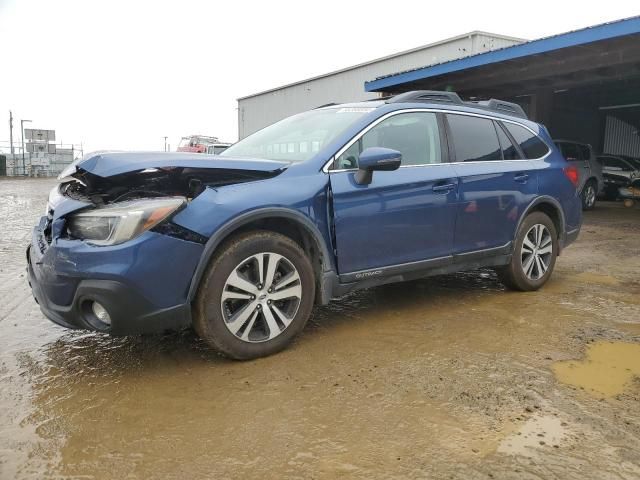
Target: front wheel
256	295
534	254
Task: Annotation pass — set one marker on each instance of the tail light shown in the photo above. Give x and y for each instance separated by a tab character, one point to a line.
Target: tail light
571	173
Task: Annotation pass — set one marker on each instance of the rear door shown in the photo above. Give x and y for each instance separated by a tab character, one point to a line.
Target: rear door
497	182
404	217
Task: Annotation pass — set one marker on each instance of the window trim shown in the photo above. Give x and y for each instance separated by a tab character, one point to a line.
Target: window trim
452	147
511	138
517	144
446	154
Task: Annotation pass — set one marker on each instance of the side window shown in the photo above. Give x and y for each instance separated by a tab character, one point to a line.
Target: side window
415	135
530	144
474	138
509	150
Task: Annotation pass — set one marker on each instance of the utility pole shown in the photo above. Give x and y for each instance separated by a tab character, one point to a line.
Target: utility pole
165	144
24	167
11	135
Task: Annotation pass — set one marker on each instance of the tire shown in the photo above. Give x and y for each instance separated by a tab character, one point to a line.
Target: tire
516	275
274	316
588	195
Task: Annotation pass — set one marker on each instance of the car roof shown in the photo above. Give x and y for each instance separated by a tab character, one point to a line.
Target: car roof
438	100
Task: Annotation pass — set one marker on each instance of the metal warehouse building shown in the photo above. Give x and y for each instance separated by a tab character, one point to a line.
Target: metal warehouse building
583	85
347	85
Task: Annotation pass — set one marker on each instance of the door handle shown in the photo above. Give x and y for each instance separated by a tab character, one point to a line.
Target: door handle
521	177
444	188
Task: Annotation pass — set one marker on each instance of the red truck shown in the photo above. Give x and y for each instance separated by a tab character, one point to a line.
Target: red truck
202	144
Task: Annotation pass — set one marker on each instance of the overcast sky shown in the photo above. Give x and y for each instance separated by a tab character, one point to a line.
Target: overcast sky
121	74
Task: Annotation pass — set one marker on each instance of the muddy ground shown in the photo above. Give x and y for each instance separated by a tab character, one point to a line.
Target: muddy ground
448	377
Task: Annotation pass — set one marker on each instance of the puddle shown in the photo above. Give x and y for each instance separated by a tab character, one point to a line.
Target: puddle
536	433
607	370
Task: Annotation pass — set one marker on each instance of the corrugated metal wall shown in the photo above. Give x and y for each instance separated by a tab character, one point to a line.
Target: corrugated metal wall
621	138
264	109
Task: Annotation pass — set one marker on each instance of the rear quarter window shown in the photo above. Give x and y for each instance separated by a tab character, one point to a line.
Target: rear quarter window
529	142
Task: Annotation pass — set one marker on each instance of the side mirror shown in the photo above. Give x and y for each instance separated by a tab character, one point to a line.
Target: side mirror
376	158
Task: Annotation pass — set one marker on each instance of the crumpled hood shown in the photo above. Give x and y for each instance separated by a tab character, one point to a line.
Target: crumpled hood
104	178
108	164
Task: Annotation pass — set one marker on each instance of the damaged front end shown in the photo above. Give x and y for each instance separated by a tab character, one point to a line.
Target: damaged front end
127	194
107	255
153	182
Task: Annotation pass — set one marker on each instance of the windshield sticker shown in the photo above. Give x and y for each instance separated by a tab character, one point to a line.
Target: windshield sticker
356	110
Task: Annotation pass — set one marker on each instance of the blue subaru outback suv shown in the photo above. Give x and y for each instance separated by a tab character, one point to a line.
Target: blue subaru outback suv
242	245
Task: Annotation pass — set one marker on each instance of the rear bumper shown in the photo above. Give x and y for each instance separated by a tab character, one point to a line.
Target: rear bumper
65	279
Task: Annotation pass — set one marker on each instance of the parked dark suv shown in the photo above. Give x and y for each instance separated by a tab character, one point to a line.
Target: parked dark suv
344	197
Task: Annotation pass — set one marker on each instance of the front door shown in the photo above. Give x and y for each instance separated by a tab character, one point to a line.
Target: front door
402	217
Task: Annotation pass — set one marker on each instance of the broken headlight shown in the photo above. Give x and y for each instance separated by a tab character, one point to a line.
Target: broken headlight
118	223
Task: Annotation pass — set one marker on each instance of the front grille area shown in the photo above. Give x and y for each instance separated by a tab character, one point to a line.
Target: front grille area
76	191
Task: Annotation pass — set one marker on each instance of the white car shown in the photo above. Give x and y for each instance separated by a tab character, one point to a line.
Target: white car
590	180
620	165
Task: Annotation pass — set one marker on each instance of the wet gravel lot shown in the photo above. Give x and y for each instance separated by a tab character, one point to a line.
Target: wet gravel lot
448	377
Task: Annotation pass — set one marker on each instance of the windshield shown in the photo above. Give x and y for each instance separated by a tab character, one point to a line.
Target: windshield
297	138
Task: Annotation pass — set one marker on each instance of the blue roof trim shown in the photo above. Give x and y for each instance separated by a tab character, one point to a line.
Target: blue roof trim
596	33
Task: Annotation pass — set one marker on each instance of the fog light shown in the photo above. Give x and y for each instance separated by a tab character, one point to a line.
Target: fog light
101	313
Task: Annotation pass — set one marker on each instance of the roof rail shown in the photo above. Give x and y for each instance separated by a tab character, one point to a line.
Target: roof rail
326	105
426	96
501	106
434	96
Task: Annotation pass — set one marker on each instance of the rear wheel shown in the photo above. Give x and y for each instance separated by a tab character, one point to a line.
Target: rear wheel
534	254
588	195
256	295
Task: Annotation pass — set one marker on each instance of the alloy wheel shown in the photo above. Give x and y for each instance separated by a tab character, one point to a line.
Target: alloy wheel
536	251
589	196
261	297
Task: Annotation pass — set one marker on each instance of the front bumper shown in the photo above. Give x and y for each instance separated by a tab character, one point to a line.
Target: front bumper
143	283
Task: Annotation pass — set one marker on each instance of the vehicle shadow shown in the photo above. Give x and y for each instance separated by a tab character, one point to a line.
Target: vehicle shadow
425	294
91	353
